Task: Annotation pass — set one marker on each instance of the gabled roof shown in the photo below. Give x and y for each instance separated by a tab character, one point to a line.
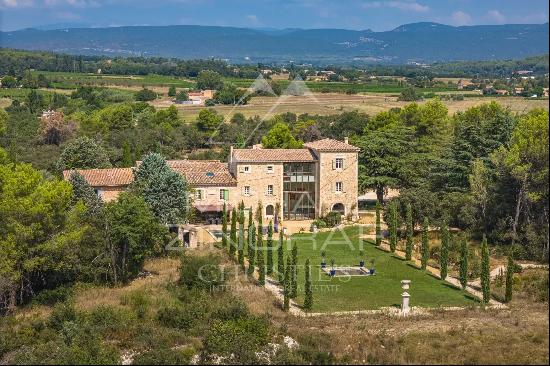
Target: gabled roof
272	155
331	145
204	172
112	177
196	173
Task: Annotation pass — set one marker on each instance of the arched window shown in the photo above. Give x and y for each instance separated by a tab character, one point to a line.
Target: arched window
339	207
269	210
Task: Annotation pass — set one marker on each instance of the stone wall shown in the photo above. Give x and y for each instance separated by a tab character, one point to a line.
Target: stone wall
108	194
328	175
258	179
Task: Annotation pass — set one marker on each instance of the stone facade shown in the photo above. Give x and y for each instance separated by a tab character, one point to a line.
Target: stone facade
345	176
259	182
258	175
109	193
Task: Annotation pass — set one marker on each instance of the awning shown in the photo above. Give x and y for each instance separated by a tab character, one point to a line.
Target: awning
215	207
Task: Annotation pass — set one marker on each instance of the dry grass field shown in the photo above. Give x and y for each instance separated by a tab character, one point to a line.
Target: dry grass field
326	104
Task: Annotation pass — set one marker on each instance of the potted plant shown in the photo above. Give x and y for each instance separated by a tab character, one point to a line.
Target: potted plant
361	259
332	270
323	260
372	266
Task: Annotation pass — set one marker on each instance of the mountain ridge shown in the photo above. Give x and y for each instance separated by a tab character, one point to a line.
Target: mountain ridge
423	42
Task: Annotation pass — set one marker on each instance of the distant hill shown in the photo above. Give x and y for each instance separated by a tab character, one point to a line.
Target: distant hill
410	43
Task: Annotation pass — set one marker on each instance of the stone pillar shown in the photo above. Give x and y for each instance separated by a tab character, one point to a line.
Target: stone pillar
405	309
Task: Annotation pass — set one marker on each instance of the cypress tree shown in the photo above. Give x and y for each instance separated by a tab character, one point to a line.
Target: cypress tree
286	286
444	250
393	227
294	273
280	259
270	248
251	249
127	159
410	232
308	300
233	235
425	244
261	257
224	226
378	225
241	238
485	271
509	278
463	274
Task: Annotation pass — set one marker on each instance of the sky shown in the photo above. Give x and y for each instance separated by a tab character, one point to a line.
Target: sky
378	15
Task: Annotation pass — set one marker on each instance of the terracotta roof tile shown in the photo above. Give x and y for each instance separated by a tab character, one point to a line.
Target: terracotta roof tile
204	172
331	145
112	177
196	172
273	155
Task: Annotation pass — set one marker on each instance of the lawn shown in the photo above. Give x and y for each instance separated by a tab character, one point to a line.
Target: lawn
369	292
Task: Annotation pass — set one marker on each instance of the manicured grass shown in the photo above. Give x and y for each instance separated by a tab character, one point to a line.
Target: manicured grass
369	292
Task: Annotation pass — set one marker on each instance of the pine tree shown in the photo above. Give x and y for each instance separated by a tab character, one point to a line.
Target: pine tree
270	248
294	273
425	245
509	278
393	226
378	225
241	238
308	300
260	261
280	259
251	249
224	227
485	271
444	250
410	232
463	275
286	286
233	235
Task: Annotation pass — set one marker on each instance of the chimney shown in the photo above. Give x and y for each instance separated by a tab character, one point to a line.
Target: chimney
230	154
346	140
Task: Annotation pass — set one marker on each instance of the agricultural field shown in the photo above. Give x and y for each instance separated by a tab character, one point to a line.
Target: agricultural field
332	103
366	292
69	80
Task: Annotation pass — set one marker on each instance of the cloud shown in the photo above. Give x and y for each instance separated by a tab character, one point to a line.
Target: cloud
401	5
496	16
253	19
461	18
4	4
14	4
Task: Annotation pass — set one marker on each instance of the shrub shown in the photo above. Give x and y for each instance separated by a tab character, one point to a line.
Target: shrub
320	223
145	95
203	272
180	316
242	337
139	302
61	313
333	219
165	356
52	297
109	319
230	308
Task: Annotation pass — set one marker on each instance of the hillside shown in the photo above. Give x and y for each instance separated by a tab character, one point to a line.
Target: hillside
417	42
